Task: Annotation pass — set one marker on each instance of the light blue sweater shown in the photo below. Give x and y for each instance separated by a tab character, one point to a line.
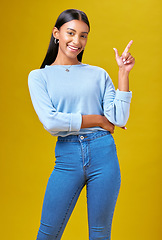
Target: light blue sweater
60	98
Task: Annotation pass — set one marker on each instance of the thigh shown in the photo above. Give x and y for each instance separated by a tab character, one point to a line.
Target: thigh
102	186
62	192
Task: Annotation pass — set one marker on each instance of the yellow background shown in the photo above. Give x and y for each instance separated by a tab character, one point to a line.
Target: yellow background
27	149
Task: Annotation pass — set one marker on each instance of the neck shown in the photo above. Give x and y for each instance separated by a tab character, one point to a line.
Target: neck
63	60
65	63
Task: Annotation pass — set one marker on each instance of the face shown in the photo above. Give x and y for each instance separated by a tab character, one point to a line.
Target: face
72	38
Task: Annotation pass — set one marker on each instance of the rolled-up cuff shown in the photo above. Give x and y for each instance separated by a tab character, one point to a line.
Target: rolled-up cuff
123	96
76	121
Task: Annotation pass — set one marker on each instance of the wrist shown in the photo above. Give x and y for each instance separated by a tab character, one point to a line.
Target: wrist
123	80
123	72
99	120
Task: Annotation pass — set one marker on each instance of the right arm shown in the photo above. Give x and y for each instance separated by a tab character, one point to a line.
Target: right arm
52	120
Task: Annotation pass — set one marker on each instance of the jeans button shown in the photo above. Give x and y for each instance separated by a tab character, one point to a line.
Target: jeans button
81	137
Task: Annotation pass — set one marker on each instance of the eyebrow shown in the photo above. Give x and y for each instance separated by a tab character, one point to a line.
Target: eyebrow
75	30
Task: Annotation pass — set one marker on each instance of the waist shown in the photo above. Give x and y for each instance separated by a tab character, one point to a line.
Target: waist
83	137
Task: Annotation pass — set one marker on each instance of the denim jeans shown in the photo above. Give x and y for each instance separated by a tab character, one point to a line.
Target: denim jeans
90	160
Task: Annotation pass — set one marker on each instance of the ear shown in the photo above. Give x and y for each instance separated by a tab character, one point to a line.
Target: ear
55	33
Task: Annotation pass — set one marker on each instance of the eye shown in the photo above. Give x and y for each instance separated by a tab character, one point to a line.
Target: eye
84	36
70	33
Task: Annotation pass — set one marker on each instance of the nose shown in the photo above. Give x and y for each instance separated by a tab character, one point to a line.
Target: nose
76	40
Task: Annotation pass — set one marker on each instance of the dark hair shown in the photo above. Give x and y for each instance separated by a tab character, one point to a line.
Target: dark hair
65	16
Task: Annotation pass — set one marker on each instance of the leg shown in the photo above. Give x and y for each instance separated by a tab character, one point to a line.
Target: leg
102	187
62	192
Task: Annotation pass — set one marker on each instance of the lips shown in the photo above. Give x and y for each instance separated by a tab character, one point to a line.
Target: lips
72	48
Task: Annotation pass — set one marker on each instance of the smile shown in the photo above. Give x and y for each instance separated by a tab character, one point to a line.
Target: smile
74	49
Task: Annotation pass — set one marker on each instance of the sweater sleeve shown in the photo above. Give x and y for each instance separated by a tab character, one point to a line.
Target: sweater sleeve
116	104
53	121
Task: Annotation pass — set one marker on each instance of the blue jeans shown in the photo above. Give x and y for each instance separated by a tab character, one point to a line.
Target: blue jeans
90	160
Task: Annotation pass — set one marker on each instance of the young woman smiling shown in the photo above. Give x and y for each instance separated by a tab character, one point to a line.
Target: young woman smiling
78	103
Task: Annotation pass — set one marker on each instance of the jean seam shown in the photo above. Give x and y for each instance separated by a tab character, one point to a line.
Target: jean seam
69	209
88	216
82	153
89	154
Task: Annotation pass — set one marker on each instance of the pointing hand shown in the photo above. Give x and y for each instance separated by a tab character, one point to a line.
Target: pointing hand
126	61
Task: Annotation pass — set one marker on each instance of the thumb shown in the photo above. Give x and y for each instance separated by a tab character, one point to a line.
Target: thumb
116	53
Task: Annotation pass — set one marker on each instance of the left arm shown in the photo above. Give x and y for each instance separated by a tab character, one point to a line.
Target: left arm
117	104
125	63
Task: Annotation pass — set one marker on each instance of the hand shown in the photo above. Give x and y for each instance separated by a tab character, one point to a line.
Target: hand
126	61
105	124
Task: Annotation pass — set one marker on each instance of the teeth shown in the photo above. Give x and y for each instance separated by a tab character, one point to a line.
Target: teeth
73	47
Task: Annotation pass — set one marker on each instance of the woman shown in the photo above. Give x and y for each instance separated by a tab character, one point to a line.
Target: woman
78	103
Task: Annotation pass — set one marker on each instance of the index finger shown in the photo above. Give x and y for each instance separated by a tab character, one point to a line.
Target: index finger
128	46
